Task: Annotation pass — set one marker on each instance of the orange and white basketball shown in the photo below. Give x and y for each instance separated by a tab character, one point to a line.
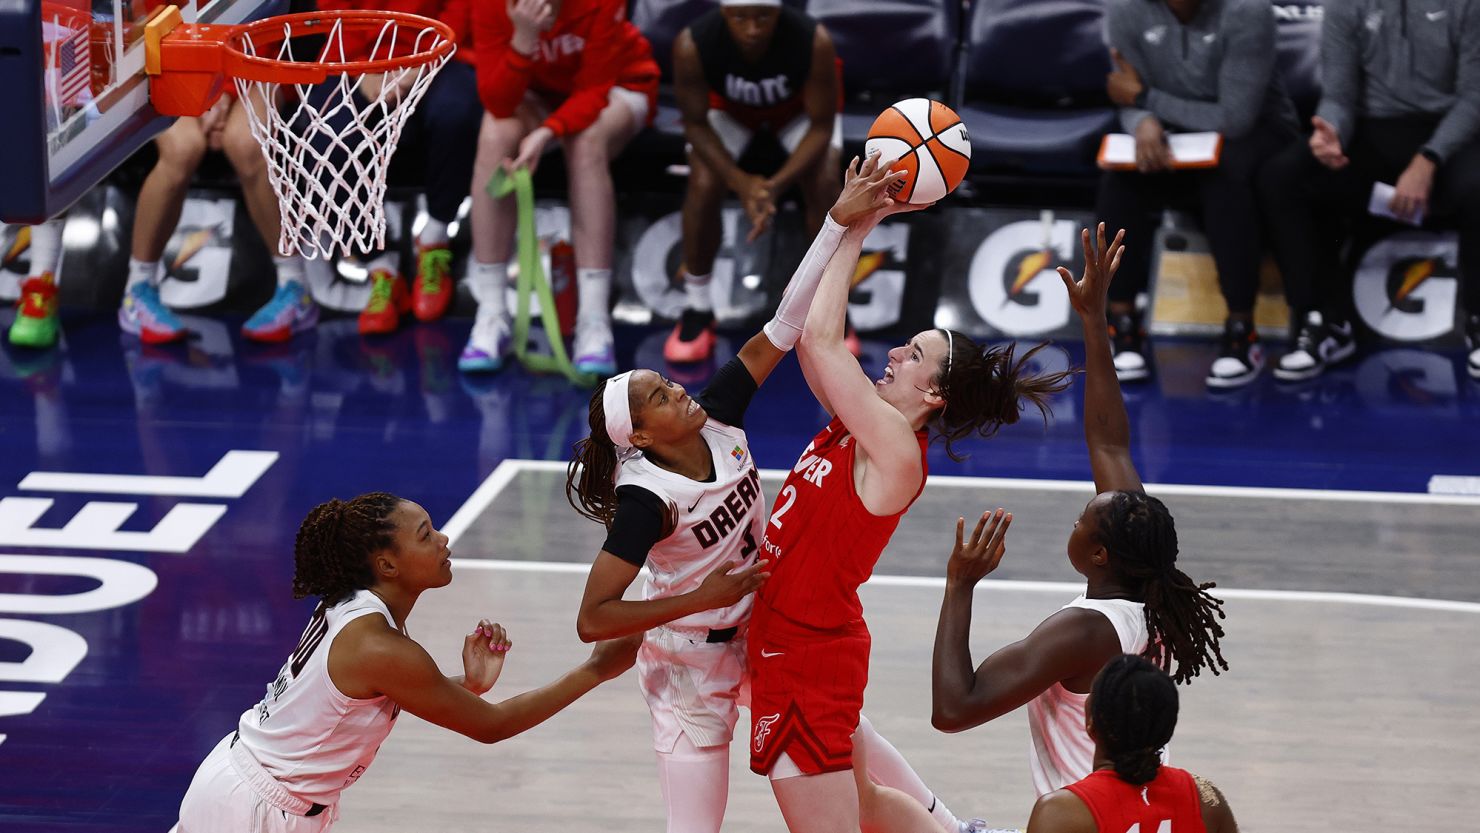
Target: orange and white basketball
926	139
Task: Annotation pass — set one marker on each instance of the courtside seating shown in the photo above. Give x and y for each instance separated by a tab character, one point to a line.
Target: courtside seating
1034	86
891	49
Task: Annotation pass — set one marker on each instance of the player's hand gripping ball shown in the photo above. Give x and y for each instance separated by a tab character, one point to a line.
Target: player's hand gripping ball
927	140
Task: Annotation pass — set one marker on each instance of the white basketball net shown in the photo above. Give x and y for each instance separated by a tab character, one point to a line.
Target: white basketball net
328	146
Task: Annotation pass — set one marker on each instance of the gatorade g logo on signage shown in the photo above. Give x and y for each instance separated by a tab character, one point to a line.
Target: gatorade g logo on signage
1013	283
197	259
1407	285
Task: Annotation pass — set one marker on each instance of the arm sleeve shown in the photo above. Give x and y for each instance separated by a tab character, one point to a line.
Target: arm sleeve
729	394
503	73
637	527
1243	77
601	62
1119	36
1341	68
1461	124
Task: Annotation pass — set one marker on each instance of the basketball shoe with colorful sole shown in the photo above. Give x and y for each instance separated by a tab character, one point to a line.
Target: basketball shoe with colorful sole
290	311
35	324
143	314
432	291
388	300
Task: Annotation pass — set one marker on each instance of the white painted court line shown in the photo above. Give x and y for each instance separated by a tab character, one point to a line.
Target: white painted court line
1087	488
508	469
1066	589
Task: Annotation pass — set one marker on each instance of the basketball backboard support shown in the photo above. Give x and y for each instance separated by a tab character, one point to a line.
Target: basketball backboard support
76	99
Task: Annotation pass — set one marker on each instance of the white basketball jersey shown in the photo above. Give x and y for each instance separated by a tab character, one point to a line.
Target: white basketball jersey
711	522
1062	752
306	734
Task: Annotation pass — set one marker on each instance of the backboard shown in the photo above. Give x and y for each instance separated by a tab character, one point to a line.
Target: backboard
76	99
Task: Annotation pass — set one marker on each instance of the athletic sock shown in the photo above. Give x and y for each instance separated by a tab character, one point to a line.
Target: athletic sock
289	269
142	271
696	290
434	233
488	283
595	288
46	248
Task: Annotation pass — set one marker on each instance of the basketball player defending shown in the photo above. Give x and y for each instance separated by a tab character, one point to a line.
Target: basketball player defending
1135	600
1132	714
337	697
809	645
673	480
749	70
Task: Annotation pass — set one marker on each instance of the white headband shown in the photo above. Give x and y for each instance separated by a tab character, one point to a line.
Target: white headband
618	412
728	3
950	348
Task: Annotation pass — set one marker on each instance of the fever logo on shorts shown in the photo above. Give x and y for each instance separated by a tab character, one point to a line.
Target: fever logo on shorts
763	728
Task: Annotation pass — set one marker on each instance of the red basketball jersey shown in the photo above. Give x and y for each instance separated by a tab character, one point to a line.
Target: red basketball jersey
1168	803
821	540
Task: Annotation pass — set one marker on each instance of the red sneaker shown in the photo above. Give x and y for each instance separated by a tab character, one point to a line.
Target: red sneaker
432	291
388	299
692	339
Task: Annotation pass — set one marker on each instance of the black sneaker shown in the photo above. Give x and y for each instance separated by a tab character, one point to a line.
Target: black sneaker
1472	343
1240	359
1128	347
1317	345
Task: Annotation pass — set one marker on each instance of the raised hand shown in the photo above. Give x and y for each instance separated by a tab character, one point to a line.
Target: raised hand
971	560
1087	295
612	657
865	190
722	588
483	654
1325	144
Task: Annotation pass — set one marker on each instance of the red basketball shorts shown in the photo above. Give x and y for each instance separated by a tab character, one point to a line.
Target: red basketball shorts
806	692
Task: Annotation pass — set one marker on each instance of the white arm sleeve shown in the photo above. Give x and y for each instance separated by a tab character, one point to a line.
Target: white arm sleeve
785	327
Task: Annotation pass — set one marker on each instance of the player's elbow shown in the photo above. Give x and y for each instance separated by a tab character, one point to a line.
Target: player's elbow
492	733
948	718
589	630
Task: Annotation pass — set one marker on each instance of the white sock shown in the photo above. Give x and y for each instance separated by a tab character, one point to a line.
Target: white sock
889	768
142	271
595	289
488	283
696	289
383	262
289	269
46	247
434	233
696	785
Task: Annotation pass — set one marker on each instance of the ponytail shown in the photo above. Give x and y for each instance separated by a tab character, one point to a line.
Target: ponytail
985	389
590	479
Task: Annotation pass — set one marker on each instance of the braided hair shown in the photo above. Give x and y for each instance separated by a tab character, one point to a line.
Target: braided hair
1133	709
1181	616
591	477
985	389
331	555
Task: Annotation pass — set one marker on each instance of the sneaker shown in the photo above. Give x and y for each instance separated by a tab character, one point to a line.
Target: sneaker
388	299
432	291
290	311
35	322
1472	343
692	339
1128	347
1241	358
488	344
1317	344
143	314
593	349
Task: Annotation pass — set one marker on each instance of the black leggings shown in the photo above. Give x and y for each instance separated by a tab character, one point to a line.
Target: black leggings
1312	210
1225	199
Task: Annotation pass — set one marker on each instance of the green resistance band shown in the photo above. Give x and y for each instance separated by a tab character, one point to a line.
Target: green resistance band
532	279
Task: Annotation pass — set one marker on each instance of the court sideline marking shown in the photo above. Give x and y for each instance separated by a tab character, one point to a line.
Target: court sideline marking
506	471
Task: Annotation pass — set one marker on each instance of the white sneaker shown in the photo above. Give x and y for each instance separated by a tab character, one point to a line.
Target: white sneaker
593	347
488	344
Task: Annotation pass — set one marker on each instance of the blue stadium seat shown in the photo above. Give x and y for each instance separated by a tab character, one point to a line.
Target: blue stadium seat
1034	85
891	49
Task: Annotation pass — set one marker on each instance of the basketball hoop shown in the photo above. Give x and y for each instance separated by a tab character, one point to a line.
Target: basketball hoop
328	126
